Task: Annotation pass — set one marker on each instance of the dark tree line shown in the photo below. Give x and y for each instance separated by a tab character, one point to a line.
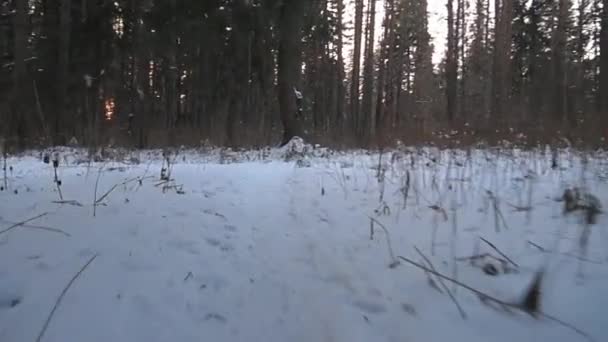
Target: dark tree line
254	72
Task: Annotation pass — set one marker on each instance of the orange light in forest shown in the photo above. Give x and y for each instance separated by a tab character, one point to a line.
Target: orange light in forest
109	106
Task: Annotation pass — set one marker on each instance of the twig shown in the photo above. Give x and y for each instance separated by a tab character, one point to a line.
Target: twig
70	202
520	208
567	325
22	223
65	290
499	252
58	184
445	287
4	165
50	229
394	261
485	296
95	194
537	246
116	186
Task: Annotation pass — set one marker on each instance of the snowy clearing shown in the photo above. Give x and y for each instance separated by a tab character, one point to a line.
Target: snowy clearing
250	247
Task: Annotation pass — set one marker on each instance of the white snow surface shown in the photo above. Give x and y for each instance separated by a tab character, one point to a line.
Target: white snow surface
260	246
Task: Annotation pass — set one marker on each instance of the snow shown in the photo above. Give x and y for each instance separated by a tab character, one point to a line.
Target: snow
274	245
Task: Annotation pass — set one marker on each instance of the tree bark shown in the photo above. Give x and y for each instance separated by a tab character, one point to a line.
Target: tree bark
368	71
604	60
451	64
17	122
356	70
289	65
63	124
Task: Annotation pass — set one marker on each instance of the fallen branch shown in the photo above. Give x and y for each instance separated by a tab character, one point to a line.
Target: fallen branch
95	194
486	297
499	252
22	223
70	202
518	208
138	179
58	301
445	287
50	229
537	246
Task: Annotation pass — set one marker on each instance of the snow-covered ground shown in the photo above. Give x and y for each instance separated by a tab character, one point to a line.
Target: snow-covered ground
250	247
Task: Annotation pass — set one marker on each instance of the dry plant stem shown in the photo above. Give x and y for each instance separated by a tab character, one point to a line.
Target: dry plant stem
95	193
57	184
434	234
537	246
4	168
70	202
388	239
487	297
97	201
453	247
22	223
406	190
499	252
445	287
58	301
49	229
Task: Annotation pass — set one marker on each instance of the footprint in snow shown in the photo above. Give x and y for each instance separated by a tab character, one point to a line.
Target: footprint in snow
213	242
215	317
8	302
10	296
223	246
370	307
230	228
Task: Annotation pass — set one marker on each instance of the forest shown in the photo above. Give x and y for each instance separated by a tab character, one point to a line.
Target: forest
243	73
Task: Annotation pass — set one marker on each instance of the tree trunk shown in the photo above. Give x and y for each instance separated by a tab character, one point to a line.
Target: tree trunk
451	64
356	72
340	74
368	71
289	65
17	122
63	123
604	59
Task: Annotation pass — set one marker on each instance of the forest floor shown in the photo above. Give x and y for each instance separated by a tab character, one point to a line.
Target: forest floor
253	247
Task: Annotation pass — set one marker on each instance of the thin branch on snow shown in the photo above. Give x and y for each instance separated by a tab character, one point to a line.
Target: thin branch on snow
445	287
536	246
95	194
394	261
486	297
70	202
58	301
499	252
22	223
138	179
50	229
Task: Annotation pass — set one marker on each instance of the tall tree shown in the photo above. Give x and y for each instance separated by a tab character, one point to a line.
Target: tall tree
501	71
17	125
356	68
451	66
62	78
368	70
604	58
289	65
559	59
423	67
